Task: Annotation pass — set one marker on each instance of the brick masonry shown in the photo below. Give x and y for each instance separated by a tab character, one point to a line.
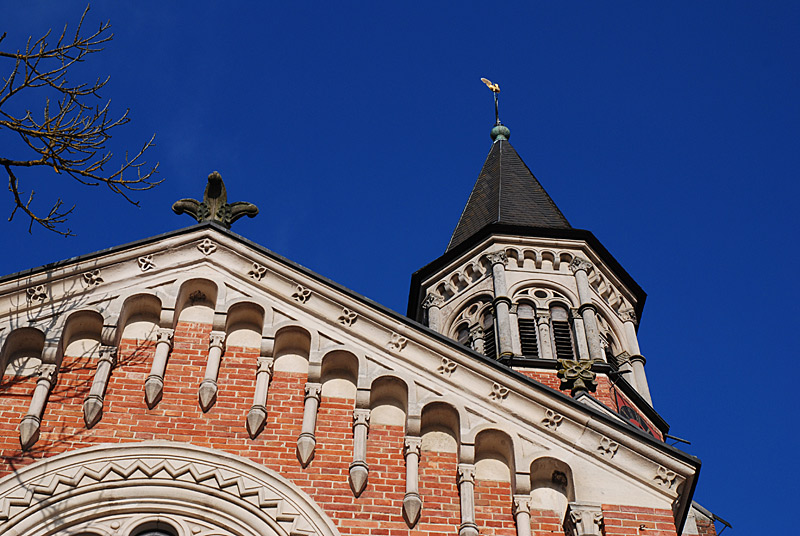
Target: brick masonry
178	417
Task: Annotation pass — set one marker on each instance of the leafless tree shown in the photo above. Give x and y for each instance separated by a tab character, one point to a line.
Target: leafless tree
70	135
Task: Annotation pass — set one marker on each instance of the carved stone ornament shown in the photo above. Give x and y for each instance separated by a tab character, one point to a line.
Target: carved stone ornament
577	375
347	318
215	206
584	520
552	420
207	247
92	278
397	342
447	367
628	315
146	263
665	477
248	498
432	300
301	294
497	257
579	263
257	272
607	447
36	294
499	392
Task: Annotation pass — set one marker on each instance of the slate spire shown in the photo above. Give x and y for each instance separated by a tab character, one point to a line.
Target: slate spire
506	192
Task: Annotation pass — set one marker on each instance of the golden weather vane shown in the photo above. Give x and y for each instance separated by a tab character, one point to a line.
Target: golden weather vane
496	90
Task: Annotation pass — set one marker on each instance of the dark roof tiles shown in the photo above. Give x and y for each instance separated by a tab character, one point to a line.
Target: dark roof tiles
506	192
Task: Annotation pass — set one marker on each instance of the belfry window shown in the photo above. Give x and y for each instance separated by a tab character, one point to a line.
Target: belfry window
489	342
528	337
562	332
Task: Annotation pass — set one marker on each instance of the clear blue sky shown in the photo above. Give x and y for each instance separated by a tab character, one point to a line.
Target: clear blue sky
670	131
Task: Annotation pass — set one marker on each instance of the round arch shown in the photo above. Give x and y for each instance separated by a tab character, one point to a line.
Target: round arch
191	489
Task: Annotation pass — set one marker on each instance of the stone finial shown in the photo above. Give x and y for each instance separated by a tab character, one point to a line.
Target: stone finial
215	206
577	375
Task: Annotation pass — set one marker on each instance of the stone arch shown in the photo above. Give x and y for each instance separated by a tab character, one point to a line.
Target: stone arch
338	374
494	455
133	484
518	290
552	485
139	317
389	401
197	301
244	324
468	313
440	427
292	348
21	353
82	334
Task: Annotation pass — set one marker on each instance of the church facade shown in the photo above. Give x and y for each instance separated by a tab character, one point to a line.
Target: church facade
198	384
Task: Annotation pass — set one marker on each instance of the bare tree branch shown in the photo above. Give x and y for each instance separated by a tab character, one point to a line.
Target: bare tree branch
72	132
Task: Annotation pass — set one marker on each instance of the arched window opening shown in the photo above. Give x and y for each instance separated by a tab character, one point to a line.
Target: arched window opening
462	334
562	332
528	336
489	342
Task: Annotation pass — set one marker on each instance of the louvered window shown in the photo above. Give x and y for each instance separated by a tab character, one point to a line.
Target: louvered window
562	333
489	342
528	336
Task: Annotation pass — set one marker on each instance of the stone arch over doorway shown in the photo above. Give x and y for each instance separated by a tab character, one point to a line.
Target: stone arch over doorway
181	489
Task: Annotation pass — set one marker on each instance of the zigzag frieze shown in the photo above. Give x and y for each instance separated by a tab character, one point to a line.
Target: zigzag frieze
275	506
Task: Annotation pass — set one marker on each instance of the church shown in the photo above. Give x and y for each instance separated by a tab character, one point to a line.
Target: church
198	384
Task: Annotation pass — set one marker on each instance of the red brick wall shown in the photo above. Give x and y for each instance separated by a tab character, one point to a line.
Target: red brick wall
550	378
705	527
178	417
637	521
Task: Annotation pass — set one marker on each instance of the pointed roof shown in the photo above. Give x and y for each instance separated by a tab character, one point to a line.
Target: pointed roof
506	192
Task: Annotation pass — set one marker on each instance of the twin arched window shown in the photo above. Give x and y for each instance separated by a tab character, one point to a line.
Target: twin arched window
561	331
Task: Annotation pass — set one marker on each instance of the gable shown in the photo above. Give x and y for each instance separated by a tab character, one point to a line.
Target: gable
301	323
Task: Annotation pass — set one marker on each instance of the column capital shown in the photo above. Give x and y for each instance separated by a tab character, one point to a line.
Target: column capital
313	390
47	372
164	335
264	364
628	315
466	473
412	445
216	339
580	264
522	503
543	319
361	416
637	357
497	257
108	354
432	300
584	520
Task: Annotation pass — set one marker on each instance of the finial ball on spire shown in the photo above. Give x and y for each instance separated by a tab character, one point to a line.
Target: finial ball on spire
500	132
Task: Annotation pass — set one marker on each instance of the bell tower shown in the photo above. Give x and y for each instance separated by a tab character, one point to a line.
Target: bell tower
518	284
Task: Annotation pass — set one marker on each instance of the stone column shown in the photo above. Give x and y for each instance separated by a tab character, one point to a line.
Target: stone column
93	404
307	440
522	514
466	491
412	503
433	304
580	335
516	342
257	415
545	345
359	470
154	385
30	424
636	360
580	267
502	304
207	393
584	520
476	336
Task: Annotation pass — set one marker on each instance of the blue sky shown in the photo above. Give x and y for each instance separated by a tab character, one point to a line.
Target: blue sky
670	131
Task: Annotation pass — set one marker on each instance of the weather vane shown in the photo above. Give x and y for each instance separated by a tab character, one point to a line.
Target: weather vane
496	90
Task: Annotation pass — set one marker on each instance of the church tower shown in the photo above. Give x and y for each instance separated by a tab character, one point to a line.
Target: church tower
517	283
